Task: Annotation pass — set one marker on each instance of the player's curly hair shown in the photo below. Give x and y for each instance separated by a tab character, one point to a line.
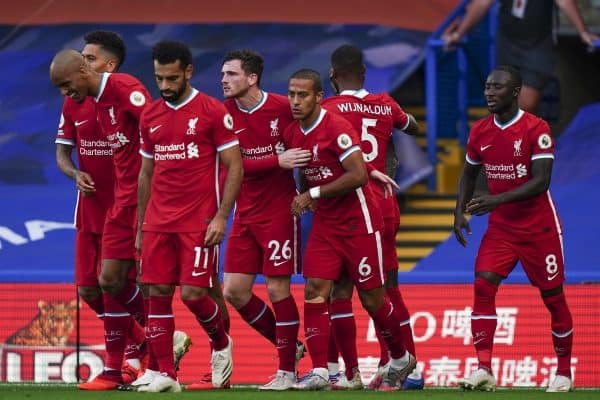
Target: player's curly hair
169	51
251	62
108	41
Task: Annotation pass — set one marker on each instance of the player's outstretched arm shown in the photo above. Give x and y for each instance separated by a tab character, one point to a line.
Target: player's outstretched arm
571	10
475	12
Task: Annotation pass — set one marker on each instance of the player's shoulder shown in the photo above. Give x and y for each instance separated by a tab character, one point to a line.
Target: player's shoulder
336	121
480	127
230	105
277	99
124	79
534	122
126	88
482	123
332	101
382	97
156	107
276	104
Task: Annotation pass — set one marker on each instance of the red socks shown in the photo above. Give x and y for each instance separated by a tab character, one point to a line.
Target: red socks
344	330
260	317
286	330
161	326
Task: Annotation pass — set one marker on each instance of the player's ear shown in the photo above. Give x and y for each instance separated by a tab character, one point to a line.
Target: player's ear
333	82
252	79
189	70
111	65
319	97
516	91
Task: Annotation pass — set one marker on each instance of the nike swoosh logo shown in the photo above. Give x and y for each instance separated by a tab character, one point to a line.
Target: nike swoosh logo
113	339
239	130
154	128
278	263
478	340
485	147
552	277
194	273
361	279
309	337
79	123
155	335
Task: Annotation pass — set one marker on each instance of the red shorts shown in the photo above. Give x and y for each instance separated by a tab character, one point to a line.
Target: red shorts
178	258
87	258
327	255
390	258
118	239
542	259
269	247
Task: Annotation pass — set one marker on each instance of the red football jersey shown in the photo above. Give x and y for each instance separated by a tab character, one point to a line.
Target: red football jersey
78	128
331	139
184	141
120	102
267	188
506	153
374	116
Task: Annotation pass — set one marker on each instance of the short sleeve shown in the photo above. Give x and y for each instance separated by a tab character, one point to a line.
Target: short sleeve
145	142
346	140
66	133
473	156
541	141
223	135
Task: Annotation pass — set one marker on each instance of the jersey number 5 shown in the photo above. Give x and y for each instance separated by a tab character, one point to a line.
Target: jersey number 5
367	137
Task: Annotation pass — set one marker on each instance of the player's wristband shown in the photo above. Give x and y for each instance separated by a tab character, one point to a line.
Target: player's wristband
315	192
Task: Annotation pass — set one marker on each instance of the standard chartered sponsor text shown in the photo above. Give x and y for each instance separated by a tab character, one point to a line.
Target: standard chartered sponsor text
175	151
96	148
500	171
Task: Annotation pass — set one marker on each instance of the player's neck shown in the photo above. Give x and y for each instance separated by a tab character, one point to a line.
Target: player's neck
349	84
507	115
95	80
251	98
310	120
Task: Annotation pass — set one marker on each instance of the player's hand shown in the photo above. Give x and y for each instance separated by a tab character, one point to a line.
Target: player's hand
388	183
294	158
588	38
460	223
451	37
215	233
301	204
138	241
84	182
482	204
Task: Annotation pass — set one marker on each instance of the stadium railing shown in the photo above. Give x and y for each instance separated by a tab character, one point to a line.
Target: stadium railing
454	78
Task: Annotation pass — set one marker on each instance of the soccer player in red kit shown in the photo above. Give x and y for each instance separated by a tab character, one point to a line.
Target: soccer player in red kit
181	216
375	116
265	237
345	235
516	150
119	100
104	51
